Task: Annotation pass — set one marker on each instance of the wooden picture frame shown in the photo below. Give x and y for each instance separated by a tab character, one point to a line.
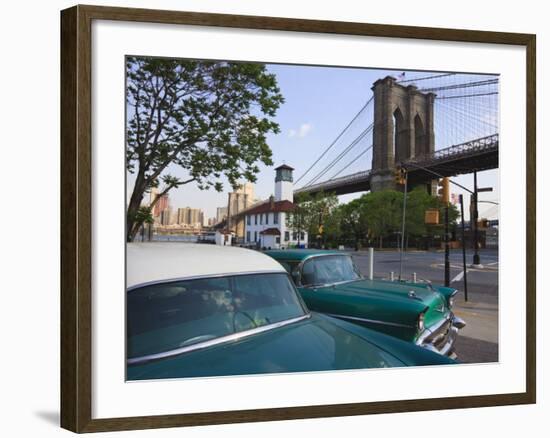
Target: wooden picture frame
76	219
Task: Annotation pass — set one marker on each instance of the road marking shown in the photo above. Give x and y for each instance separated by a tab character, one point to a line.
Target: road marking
458	277
486	269
494	263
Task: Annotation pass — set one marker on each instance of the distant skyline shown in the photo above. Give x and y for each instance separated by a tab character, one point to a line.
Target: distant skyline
319	102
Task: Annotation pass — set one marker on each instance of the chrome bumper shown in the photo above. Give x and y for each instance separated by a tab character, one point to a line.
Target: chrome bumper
441	337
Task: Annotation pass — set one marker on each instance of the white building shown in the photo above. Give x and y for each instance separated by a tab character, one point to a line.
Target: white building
265	224
223	237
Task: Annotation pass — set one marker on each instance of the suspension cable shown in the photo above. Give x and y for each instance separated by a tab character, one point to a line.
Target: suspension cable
351	162
426	78
341	155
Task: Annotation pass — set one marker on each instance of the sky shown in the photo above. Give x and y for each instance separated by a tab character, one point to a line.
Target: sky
319	103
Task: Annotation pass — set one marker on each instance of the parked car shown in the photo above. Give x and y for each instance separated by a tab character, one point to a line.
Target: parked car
201	310
330	282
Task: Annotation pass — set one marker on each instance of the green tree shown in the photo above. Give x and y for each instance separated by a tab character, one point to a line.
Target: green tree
298	221
312	214
353	221
383	212
332	227
418	202
209	118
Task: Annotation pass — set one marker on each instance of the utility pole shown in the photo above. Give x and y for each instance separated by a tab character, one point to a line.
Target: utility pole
320	230
444	196
461	198
477	190
476	260
447	259
401	177
299	227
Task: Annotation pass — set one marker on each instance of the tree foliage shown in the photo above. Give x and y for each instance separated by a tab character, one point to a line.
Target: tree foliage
209	118
353	222
376	216
313	214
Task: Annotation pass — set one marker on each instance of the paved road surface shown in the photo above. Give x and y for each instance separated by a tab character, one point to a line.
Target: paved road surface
478	341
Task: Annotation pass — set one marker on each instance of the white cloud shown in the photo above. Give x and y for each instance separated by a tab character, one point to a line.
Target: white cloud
301	132
304	130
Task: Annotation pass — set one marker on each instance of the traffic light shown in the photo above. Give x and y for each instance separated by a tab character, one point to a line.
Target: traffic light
431	216
443	190
399	175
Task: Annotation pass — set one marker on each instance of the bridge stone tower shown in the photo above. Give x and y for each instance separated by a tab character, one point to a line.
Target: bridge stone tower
403	129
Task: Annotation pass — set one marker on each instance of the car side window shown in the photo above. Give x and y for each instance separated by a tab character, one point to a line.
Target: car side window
166	316
308	274
329	269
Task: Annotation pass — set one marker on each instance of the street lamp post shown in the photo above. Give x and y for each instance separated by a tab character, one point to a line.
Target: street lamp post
475	200
405	177
476	260
464	267
447	258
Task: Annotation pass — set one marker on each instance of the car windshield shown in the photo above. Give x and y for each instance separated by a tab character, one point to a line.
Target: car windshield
168	316
329	269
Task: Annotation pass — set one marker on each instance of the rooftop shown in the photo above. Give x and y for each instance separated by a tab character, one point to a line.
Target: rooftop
271	232
160	261
284	166
300	254
267	207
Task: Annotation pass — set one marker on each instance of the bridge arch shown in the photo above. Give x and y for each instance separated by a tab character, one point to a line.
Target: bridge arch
403	128
400	139
420	142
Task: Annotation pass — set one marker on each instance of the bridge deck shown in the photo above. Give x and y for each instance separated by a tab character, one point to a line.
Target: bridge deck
474	156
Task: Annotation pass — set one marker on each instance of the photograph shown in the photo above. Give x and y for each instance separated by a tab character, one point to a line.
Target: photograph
297	218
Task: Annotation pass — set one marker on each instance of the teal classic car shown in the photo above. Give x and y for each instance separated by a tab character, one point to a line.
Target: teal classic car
204	310
330	282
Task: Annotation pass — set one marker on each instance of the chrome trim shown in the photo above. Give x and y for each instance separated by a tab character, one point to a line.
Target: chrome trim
456	323
337	283
203	276
431	329
451	298
412	294
212	342
459	323
447	348
374	321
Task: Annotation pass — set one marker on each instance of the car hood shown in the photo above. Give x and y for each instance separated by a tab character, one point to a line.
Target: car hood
398	292
387	289
314	344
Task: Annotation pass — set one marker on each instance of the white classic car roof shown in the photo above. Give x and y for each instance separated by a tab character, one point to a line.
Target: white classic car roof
158	261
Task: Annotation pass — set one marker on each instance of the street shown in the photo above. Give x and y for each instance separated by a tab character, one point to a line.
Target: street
478	341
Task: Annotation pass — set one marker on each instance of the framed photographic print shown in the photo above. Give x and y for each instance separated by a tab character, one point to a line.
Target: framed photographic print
268	218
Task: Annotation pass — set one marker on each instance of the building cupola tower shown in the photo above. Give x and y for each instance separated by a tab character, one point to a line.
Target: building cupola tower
284	184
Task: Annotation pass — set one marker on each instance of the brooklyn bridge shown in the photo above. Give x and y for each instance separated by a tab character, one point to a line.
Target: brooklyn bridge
434	125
